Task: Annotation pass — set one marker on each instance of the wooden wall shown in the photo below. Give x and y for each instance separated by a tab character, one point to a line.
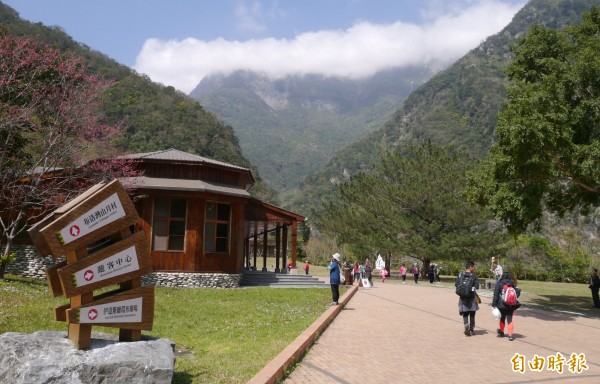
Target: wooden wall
194	172
193	259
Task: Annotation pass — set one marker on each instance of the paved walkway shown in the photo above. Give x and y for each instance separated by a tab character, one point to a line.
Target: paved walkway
413	333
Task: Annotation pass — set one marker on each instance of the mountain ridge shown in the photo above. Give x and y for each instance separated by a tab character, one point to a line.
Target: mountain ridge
291	126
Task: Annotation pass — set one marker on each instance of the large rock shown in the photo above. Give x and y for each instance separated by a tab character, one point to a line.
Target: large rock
50	357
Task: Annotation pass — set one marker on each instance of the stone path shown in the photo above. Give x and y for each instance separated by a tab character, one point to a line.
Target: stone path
397	333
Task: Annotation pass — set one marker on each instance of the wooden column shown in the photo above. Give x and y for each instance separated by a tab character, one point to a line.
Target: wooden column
277	251
265	248
294	241
255	250
284	244
247	251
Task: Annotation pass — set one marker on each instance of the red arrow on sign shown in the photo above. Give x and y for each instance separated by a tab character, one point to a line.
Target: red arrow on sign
88	275
74	231
92	314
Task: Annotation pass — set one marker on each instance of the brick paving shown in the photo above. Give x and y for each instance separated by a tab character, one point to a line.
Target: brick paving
397	333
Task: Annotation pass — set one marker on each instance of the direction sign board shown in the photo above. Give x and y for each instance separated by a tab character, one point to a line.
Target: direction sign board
92	219
93	232
121	261
131	309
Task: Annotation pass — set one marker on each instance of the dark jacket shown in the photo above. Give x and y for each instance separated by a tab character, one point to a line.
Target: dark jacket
497	301
467	305
368	270
595	282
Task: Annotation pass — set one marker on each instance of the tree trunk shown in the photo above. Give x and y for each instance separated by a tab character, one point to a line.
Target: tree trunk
388	263
3	265
5	258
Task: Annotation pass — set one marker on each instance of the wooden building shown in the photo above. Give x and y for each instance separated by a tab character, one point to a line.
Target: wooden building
200	217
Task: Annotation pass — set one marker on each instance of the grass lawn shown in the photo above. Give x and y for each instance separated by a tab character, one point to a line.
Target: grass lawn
563	296
226	335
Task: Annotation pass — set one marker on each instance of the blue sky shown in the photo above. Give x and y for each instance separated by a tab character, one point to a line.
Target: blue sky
177	42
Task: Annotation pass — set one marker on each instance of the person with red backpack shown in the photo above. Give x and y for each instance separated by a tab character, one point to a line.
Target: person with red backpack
505	299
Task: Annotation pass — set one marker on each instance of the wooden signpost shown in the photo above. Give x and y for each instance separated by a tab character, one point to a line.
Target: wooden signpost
93	232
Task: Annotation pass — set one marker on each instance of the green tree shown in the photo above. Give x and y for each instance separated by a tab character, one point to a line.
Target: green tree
412	205
547	154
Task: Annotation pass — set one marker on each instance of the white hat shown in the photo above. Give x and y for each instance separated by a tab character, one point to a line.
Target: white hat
336	256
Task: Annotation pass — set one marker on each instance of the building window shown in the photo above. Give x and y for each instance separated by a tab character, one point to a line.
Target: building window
216	227
168	227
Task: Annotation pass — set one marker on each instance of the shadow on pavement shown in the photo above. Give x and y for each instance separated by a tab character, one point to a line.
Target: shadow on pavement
540	309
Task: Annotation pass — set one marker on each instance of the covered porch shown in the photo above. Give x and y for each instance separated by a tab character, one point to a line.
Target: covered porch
271	233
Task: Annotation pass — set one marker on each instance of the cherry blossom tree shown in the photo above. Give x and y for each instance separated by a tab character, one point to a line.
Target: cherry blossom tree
50	130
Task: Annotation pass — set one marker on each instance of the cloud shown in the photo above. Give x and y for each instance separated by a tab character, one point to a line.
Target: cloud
252	18
359	51
248	18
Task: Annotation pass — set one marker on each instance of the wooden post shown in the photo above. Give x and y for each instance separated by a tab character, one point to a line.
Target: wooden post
247	252
255	250
265	248
80	334
130	334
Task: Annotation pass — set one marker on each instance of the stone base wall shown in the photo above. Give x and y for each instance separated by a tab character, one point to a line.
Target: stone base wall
192	280
29	264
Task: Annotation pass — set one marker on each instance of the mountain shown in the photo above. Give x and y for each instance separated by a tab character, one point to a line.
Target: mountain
457	106
291	127
155	117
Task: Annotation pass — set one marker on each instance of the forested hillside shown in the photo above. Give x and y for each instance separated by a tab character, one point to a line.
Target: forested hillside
458	106
156	117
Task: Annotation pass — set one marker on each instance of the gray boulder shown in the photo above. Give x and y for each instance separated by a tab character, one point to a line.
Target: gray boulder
50	357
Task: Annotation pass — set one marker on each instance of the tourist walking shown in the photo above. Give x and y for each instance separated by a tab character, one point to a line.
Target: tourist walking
403	273
496	270
431	273
334	278
369	272
467	285
415	271
595	286
306	267
356	271
505	299
383	272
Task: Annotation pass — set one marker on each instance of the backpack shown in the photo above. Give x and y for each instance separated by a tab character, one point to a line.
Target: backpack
464	289
509	295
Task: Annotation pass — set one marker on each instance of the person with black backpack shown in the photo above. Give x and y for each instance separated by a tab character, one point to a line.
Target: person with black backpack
467	283
505	299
